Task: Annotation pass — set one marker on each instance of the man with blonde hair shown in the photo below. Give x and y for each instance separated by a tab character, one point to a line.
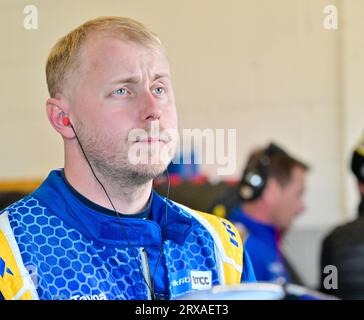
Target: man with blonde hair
95	229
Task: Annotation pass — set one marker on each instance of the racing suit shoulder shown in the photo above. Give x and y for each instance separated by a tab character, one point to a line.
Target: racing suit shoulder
15	282
230	246
227	242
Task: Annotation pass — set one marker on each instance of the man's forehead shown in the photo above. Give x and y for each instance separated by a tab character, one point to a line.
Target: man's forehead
111	52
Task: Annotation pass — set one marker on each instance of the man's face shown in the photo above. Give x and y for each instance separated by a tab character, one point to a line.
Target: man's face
290	201
124	86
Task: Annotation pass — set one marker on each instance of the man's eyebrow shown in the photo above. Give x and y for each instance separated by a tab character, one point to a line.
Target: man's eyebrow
160	75
132	79
136	79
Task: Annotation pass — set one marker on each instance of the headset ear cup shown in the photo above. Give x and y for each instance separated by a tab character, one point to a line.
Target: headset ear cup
252	184
246	192
249	193
256	174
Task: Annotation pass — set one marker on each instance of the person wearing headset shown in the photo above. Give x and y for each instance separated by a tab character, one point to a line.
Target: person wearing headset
96	229
268	198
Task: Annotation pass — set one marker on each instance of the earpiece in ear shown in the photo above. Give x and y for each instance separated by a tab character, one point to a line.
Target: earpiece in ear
66	121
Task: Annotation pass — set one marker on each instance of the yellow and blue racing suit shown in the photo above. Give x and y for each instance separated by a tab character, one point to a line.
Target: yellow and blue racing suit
56	244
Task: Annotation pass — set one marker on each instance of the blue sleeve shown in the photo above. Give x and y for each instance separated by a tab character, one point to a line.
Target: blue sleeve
248	271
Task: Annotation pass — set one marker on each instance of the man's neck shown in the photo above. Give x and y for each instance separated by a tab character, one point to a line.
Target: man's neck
127	199
257	211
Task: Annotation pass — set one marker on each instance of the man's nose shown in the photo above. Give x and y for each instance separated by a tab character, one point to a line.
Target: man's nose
150	109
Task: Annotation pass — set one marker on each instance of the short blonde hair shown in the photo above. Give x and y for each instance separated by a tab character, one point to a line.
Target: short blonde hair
63	60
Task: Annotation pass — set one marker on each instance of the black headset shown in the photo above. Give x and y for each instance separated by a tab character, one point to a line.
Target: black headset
256	174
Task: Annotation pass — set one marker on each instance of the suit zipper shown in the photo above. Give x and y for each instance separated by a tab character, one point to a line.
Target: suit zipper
146	271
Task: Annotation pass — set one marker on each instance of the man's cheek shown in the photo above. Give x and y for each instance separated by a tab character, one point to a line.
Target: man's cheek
171	124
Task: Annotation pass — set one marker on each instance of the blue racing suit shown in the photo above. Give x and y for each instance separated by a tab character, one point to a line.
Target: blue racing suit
262	242
56	244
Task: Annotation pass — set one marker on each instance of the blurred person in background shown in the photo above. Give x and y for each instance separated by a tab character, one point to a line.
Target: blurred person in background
343	248
267	200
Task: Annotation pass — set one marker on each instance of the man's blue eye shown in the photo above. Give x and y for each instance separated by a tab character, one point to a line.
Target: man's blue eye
119	92
159	90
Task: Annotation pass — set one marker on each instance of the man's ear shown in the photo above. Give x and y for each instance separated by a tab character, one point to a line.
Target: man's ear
56	110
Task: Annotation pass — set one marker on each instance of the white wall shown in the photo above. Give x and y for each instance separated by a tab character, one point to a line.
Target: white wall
351	86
